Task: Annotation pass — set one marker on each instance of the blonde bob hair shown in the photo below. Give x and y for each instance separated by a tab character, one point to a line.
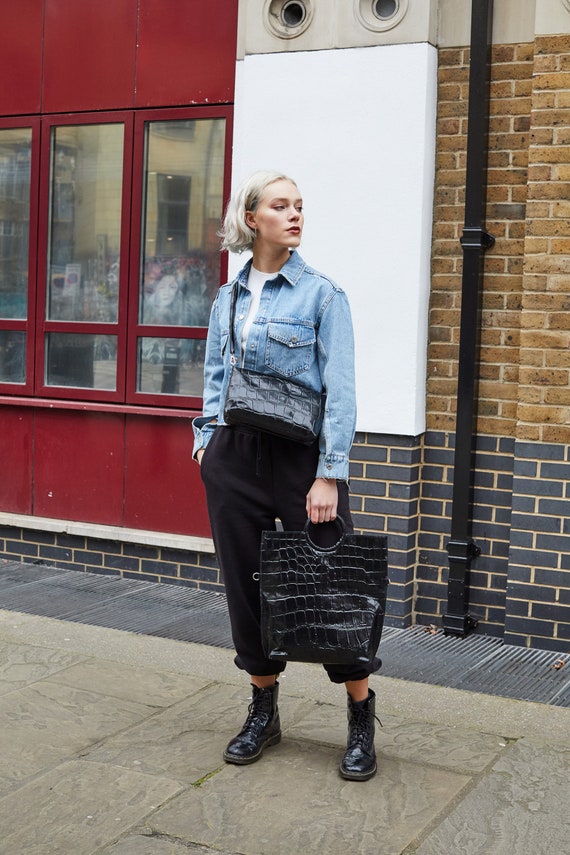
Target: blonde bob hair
236	235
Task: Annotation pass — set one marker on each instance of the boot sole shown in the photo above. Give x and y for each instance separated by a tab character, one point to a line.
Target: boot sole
245	761
352	776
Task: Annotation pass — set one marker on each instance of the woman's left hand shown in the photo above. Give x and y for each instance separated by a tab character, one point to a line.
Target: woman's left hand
322	500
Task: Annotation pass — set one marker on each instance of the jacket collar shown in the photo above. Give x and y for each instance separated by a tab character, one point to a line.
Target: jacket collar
291	271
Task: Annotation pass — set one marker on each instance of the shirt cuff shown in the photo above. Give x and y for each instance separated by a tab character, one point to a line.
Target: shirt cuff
203	428
333	466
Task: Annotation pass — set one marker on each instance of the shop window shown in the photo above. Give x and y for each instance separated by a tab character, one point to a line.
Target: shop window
182	204
83	264
15	172
128	262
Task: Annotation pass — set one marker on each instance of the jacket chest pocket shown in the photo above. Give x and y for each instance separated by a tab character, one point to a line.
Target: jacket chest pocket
290	348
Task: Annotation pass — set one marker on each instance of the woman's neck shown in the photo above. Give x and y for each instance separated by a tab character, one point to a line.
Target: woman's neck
269	260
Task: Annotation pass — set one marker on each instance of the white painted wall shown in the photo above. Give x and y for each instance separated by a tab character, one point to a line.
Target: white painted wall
356	129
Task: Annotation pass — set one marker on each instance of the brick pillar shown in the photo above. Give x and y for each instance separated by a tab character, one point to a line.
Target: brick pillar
538	593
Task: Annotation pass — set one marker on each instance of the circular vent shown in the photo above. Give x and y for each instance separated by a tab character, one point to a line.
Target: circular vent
380	15
287	18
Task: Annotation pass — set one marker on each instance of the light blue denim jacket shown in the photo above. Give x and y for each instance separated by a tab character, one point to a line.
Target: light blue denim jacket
303	331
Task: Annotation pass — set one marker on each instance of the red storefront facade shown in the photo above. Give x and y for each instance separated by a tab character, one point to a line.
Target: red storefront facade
115	155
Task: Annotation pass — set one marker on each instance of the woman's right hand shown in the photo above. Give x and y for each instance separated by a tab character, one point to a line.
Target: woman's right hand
199	455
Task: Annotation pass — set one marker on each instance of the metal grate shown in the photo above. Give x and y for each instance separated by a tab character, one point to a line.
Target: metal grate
477	663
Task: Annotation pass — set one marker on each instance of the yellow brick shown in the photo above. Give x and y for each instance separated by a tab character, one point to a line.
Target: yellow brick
534	339
542	415
553	81
527	432
551	433
557	396
544	377
560	246
550	154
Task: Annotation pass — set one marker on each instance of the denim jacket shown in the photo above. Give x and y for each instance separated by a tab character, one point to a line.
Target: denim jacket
303	331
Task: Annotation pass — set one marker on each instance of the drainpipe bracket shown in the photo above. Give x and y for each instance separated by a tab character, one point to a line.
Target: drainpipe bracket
458	625
462	551
474	237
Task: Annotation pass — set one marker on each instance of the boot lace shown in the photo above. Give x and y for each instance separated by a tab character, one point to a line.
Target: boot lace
360	726
257	718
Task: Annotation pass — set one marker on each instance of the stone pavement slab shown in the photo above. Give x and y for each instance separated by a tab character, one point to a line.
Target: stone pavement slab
22	664
44	723
133	683
186	741
520	808
78	807
458	749
294	801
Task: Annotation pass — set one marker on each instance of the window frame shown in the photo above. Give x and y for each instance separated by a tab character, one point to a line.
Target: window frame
128	329
45	326
136	328
27	324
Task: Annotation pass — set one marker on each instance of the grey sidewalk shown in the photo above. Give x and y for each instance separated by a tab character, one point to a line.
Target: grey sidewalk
112	742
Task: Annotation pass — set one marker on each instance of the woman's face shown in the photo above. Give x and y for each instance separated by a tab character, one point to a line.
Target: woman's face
166	291
278	220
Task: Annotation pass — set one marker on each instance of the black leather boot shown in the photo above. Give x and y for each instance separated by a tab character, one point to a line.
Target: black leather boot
262	728
359	761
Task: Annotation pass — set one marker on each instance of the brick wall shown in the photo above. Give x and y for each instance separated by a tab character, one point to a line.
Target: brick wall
522	430
95	555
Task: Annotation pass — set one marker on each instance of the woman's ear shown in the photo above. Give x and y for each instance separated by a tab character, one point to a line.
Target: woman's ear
250	219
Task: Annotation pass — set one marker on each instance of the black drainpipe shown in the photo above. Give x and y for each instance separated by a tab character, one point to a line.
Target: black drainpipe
474	241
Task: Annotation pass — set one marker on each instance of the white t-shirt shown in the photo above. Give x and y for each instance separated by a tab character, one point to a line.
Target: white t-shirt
255	282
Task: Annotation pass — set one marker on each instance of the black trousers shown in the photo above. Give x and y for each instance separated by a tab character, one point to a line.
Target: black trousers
252	478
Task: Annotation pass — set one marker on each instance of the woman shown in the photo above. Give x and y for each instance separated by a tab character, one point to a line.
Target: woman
294	322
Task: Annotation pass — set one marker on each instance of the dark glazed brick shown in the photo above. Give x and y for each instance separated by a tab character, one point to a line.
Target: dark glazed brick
122	562
159	567
551	611
11	532
101	545
367	453
88	557
71	541
200	574
539	451
56	553
208	560
535	522
404	491
178	556
527	626
21	548
528	487
39	536
136	551
555	471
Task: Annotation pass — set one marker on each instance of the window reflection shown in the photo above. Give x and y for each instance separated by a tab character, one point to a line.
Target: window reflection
15	159
12	356
183	208
85	225
81	361
171	366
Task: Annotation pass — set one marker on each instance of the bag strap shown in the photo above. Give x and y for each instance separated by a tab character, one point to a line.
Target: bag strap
233	357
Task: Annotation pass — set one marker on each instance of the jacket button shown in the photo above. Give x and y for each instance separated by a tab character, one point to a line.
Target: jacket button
293	338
